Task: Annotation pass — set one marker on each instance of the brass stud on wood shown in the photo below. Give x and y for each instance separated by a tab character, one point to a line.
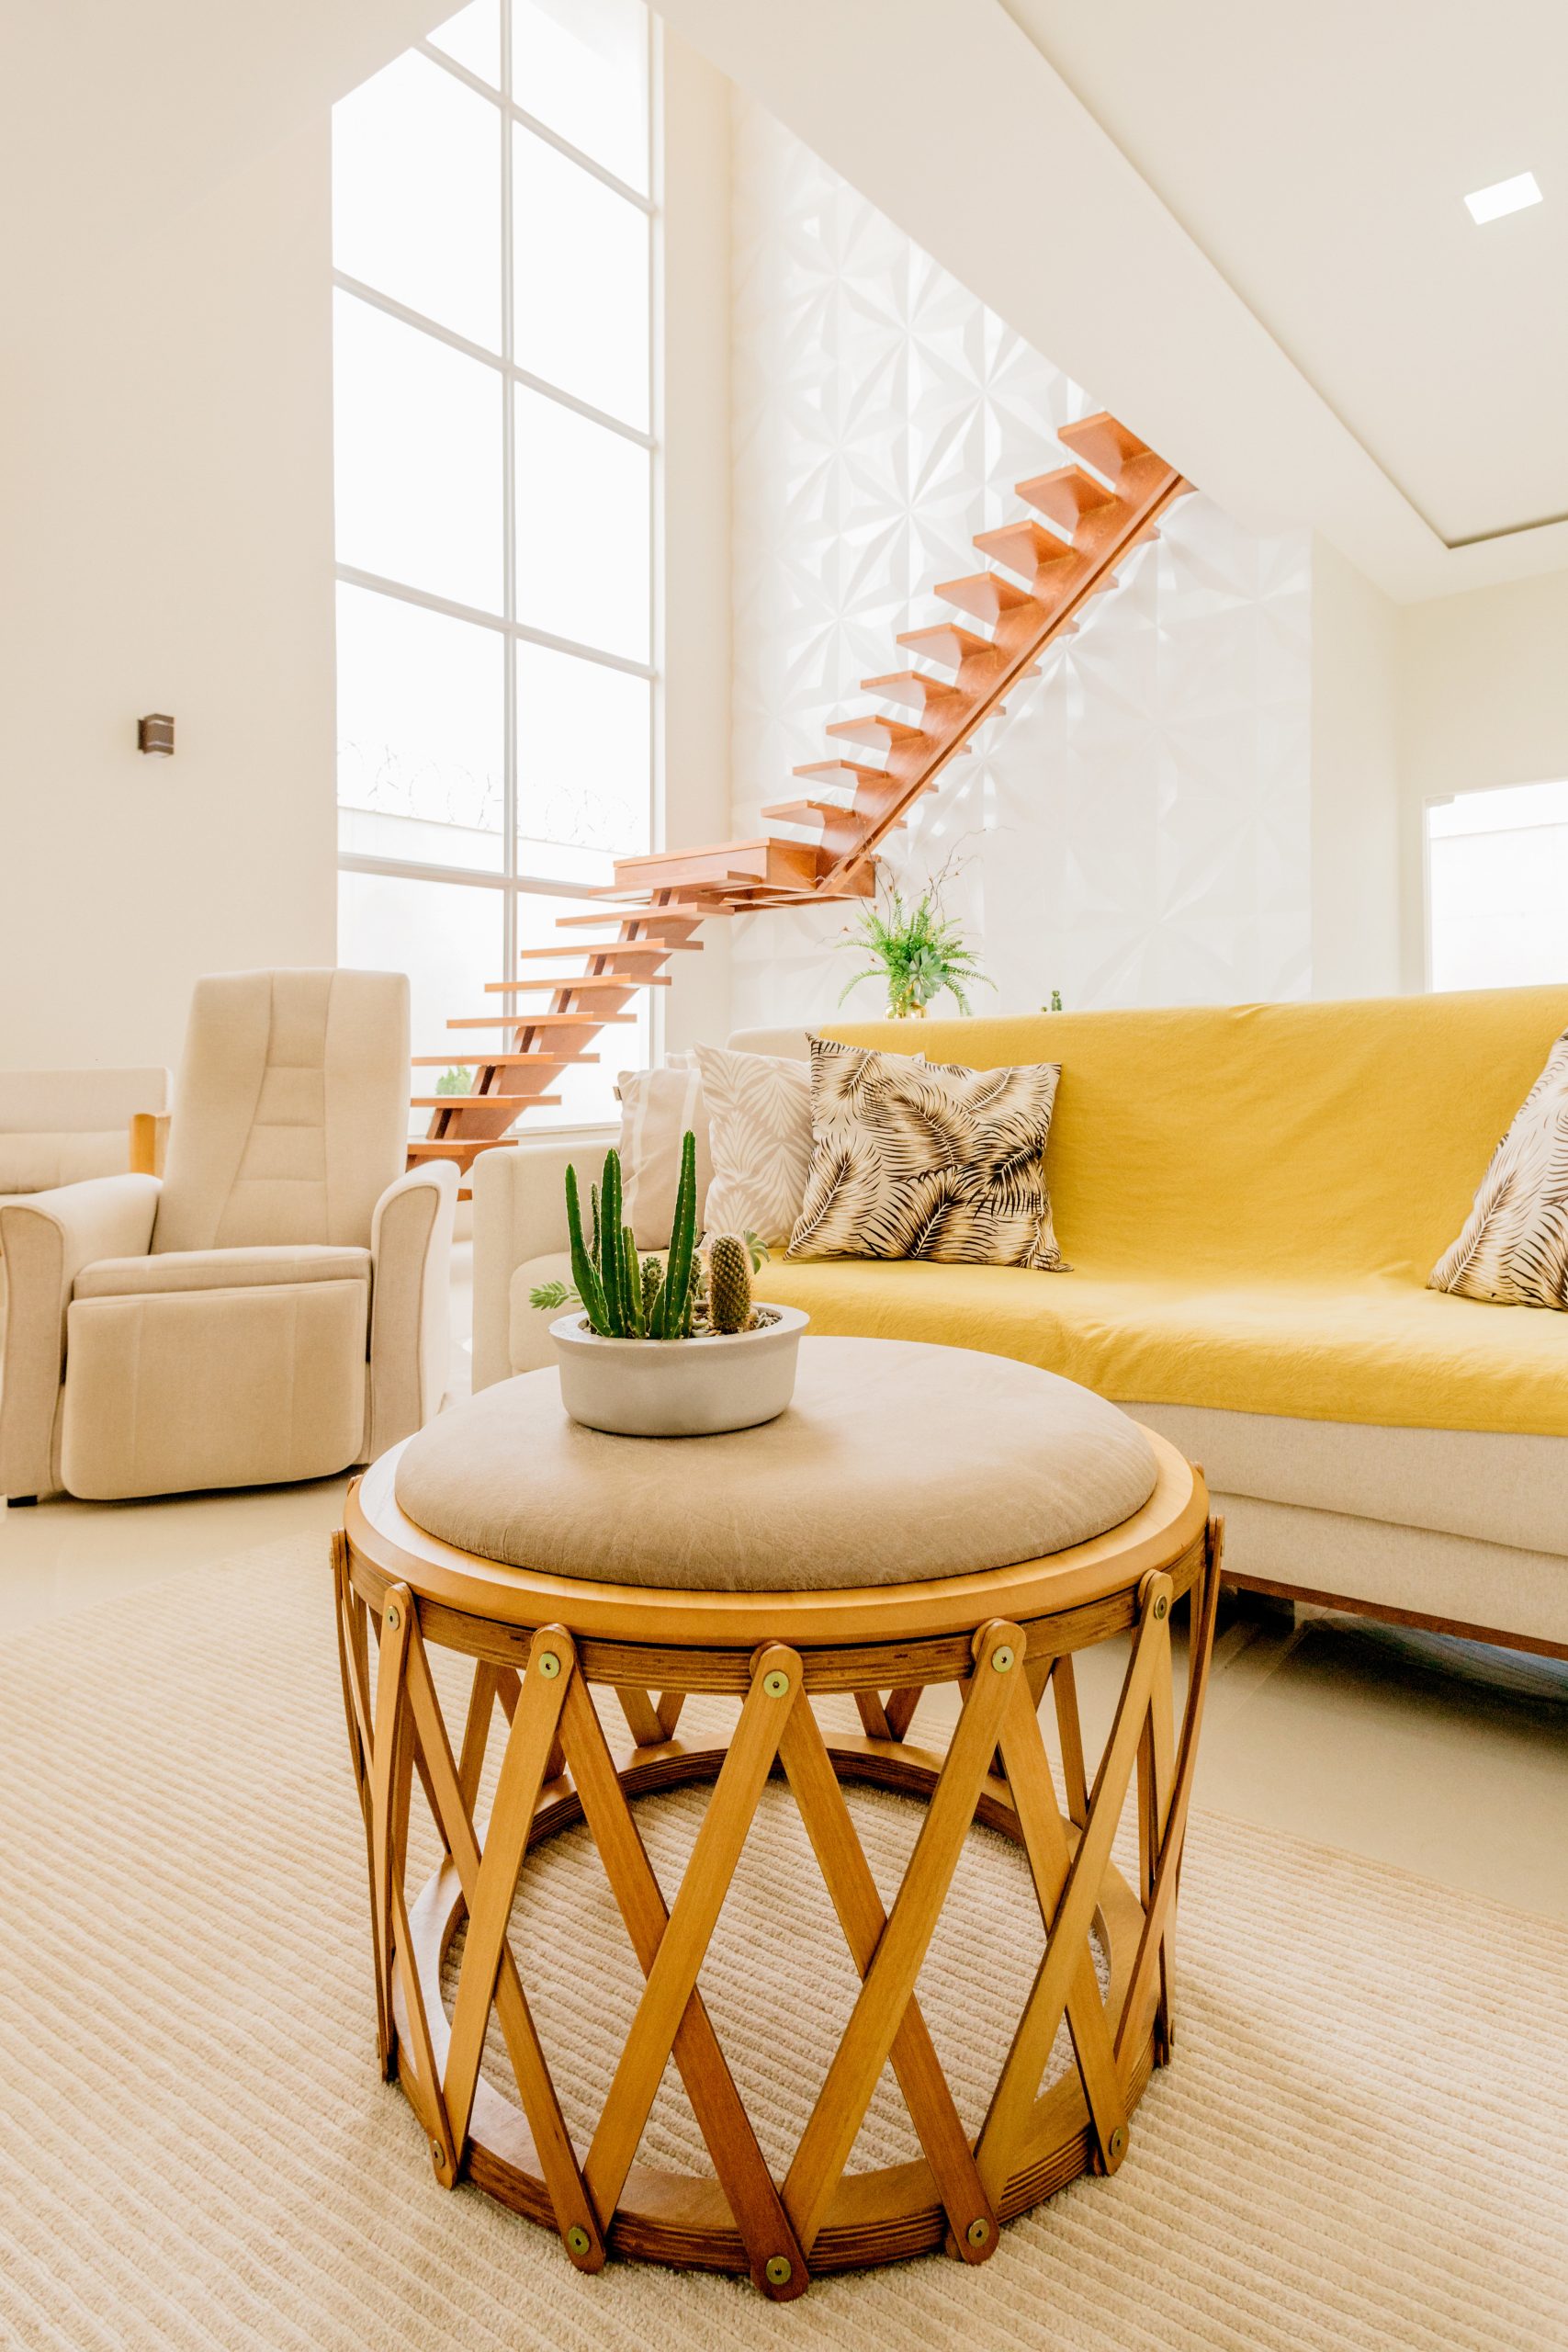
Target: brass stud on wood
393	1620
549	1664
577	2240
776	1685
979	2230
1001	1659
1117	2148
780	2269
1161	1605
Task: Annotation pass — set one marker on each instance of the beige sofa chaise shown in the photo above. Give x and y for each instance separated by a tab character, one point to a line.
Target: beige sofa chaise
1251	1199
274	1307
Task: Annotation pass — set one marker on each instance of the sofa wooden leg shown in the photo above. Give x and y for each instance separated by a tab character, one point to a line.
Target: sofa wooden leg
21	1502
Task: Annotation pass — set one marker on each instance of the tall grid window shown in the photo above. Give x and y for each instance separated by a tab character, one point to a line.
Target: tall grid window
493	247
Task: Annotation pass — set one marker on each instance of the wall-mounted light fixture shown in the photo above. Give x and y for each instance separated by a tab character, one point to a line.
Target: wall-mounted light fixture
155	733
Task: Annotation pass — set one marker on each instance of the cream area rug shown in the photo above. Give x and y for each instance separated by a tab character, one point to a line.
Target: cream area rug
1363	2141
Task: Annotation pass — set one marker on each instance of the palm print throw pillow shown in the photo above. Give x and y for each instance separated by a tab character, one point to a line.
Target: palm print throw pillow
925	1159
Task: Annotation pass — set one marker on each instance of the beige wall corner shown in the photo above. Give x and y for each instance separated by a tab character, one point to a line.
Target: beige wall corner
1358	851
693	371
166	510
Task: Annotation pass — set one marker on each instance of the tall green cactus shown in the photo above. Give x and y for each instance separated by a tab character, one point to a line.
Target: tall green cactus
672	1308
623	1298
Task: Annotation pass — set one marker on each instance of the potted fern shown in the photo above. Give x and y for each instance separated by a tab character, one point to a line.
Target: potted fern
672	1346
918	951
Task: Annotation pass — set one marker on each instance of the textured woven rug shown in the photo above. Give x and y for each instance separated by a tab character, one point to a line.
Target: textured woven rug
1363	2140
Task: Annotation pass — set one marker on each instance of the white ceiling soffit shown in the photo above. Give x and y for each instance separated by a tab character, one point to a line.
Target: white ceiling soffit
116	115
1263	284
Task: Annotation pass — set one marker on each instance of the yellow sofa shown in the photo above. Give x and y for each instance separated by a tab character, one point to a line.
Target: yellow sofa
1250	1199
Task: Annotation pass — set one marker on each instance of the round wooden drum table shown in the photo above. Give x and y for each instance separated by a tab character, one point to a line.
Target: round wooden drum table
920	1516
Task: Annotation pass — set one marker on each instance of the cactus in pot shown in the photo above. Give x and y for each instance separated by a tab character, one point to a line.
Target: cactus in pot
624	1297
729	1282
741	1372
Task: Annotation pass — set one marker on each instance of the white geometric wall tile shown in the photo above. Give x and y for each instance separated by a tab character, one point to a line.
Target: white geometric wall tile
1137	829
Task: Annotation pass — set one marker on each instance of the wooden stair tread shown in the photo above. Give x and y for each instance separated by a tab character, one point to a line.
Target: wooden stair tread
1067	494
947	643
1102	442
627	914
916	689
454	1102
859	769
985	595
443	1147
1025	547
624	981
540	1019
613	947
881	734
489	1060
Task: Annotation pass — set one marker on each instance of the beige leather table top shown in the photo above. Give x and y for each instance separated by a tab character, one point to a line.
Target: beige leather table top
896	1463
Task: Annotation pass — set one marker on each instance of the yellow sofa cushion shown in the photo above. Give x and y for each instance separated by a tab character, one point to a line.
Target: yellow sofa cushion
1252	1197
1378	1350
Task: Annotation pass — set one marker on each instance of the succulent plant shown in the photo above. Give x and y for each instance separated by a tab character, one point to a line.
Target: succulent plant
729	1282
652	1275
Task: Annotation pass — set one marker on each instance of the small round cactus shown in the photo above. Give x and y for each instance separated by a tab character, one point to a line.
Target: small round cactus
729	1282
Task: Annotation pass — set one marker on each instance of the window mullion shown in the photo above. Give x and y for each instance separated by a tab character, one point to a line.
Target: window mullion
509	517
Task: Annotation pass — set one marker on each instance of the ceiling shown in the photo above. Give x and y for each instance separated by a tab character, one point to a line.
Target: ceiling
1239	226
116	117
1319	157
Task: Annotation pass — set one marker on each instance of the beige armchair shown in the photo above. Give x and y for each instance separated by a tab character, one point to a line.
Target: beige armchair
274	1306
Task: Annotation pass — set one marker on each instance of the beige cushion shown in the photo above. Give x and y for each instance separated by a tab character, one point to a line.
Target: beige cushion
1513	1248
896	1462
917	1160
760	1133
291	1112
36	1163
219	1269
214	1389
658	1107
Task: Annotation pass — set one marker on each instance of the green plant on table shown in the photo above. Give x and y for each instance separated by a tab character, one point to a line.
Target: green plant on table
917	951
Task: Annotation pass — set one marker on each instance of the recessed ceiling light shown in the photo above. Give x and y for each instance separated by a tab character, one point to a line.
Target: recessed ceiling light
1504	195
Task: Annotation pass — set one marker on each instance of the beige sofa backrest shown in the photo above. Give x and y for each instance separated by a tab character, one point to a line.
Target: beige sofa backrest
291	1110
58	1126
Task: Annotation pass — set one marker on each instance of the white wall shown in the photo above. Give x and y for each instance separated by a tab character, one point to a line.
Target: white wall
165	544
1137	829
1356	821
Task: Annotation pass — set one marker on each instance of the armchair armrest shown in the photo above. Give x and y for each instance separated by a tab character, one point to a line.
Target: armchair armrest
519	1213
47	1242
410	1312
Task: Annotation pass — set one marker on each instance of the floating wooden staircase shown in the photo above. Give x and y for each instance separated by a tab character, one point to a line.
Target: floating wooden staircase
1043	570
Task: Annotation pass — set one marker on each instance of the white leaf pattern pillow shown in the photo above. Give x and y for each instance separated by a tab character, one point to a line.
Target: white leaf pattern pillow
928	1161
758	1108
1514	1248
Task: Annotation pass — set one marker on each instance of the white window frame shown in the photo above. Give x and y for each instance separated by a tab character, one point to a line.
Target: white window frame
511	880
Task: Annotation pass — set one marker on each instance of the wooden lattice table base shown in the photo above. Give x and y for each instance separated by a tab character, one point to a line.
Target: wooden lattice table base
557	1768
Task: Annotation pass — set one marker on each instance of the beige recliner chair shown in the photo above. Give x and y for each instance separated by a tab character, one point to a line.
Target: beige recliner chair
275	1306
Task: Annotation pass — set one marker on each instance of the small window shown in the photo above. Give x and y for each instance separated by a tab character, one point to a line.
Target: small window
1497	886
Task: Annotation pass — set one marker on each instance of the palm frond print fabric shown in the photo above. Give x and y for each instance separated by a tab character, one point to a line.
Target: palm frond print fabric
913	1159
1513	1249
